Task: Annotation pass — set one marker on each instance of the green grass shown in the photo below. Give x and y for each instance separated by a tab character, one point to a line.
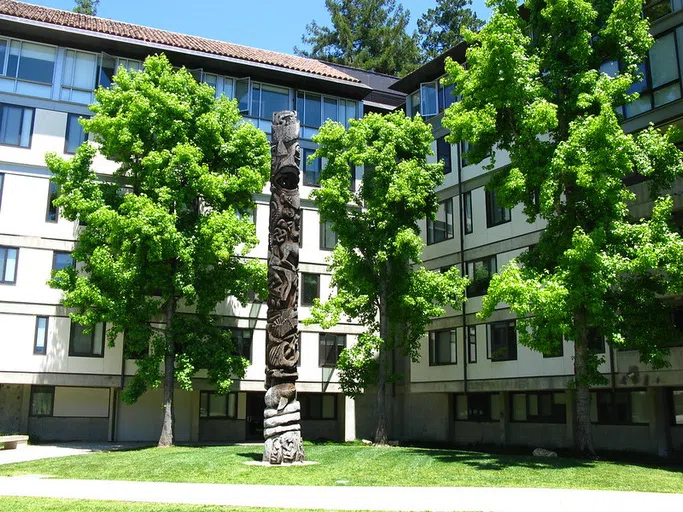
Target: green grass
358	465
58	505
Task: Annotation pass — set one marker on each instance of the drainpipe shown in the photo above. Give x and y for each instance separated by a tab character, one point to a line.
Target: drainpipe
463	271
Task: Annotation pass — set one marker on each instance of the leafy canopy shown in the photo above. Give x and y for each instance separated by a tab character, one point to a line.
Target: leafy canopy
377	259
440	27
545	101
366	34
168	225
87	7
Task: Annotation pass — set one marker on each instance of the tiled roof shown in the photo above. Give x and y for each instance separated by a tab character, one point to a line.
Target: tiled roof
155	36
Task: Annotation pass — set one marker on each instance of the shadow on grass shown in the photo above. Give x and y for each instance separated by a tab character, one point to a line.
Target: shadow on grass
252	456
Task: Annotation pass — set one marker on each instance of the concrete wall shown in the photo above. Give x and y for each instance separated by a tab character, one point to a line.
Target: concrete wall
222	431
11	398
473	433
538	435
427	417
68	429
634	438
332	430
142	420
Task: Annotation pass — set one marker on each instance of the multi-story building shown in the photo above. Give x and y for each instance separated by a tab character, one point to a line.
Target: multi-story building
58	383
475	383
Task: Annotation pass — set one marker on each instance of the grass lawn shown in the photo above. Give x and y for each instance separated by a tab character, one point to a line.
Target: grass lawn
357	465
54	505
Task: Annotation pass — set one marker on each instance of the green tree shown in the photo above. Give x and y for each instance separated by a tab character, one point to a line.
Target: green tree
543	99
366	34
440	28
87	7
376	264
164	235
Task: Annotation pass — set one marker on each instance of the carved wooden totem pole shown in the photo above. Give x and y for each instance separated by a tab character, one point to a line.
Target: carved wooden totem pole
282	429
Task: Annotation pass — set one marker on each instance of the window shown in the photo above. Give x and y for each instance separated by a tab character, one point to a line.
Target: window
86	344
241	339
315	109
311	168
40	341
619	407
442	347
495	214
266	99
443	153
477	407
310	288
472	344
62	260
415	103
677	406
79	76
52	214
441	228
318	406
8	265
556	351
222	84
429	99
134	349
2	185
480	273
75	134
540	407
595	341
42	400
27	68
467	206
16	125
213	405
502	341
446	97
328	238
657	8
329	348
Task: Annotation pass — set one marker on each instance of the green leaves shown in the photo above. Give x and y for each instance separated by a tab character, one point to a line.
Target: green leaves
375	267
169	225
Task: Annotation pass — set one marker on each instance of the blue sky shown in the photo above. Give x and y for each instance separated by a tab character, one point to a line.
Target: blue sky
270	24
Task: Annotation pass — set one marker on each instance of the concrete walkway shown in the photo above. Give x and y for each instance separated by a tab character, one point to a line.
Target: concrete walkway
344	498
48	451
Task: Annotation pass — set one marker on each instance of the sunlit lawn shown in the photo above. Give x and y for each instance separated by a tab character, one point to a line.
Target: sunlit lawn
357	465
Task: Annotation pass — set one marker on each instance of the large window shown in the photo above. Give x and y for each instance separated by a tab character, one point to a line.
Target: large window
467	217
315	406
495	214
329	348
443	154
16	125
619	407
62	259
311	168
223	85
677	406
27	68
472	344
42	401
540	407
40	339
8	265
52	213
310	288
432	98
655	9
75	134
480	273
266	99
79	76
216	406
441	228
477	407
443	347
242	340
86	344
502	337
315	109
328	238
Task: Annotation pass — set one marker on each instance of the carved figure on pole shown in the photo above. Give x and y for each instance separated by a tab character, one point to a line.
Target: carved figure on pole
282	415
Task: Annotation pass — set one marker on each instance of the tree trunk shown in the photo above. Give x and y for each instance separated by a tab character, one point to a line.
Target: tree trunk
381	435
167	437
583	439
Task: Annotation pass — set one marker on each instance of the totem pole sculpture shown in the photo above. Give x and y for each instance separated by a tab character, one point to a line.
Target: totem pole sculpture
282	429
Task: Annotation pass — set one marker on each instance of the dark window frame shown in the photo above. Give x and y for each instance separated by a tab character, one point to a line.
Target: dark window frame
323	354
45	336
324	225
306	172
479	287
54	259
238	339
467	213
472	344
611	416
595	337
4	266
69	118
306	402
484	405
558	414
227	415
21	126
491	206
305	302
72	332
552	355
510	348
444	154
52	210
449	226
434	355
42	389
672	407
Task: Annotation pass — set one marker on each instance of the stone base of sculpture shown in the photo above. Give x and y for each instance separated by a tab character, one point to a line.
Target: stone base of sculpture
282	431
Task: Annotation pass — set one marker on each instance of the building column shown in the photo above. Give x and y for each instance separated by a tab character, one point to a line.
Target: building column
569	406
505	415
25	408
349	419
660	435
113	413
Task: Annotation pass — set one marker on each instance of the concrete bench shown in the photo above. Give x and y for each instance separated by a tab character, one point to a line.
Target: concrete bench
12	442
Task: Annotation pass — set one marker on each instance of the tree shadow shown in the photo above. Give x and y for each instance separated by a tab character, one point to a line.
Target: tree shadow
251	456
